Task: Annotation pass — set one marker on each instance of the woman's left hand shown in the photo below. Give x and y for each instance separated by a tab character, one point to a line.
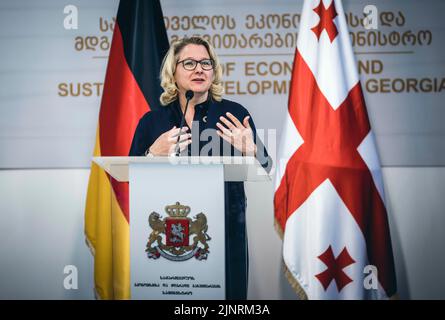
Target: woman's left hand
238	134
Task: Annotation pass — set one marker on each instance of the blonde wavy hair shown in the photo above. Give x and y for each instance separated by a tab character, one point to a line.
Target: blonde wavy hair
168	69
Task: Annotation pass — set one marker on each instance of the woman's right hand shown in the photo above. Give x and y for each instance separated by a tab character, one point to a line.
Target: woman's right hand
165	144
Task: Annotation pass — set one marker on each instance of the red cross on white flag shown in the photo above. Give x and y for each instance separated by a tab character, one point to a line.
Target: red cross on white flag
329	198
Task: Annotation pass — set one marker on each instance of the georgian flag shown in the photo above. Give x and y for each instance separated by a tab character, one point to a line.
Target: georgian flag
329	199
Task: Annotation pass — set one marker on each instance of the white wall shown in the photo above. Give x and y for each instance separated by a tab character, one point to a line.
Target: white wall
41	231
416	201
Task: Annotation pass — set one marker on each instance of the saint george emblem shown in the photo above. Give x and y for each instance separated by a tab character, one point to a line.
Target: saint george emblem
171	236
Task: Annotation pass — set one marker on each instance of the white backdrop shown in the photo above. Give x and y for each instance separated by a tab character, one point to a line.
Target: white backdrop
51	78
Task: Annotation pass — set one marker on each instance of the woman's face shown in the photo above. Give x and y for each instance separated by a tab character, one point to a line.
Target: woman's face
197	80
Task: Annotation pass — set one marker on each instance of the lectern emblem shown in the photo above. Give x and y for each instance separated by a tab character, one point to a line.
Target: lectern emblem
176	230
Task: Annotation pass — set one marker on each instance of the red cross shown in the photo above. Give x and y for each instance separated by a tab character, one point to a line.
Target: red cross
335	268
329	151
327	16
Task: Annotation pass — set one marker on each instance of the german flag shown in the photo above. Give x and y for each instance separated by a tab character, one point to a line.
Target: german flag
132	88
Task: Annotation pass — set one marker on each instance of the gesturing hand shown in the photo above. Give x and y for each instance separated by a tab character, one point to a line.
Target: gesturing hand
238	134
165	144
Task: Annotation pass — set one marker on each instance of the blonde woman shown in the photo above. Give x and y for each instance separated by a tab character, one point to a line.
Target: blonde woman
191	64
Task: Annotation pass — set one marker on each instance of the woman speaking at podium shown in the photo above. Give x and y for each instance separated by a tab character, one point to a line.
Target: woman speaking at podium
192	103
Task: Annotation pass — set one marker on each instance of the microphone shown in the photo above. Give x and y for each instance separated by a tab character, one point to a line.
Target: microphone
188	96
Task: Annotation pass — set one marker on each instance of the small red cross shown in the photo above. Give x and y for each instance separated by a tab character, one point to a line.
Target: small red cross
335	268
327	16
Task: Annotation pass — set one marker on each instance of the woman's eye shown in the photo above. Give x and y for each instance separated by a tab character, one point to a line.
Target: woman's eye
206	63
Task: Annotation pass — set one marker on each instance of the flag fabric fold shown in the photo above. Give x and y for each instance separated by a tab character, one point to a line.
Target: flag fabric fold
329	198
131	89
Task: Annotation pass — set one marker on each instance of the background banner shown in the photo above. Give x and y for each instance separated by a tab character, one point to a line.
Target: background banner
51	75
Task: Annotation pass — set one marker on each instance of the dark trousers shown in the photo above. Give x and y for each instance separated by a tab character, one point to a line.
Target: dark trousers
236	241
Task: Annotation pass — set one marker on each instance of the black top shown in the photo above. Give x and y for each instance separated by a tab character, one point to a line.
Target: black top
207	114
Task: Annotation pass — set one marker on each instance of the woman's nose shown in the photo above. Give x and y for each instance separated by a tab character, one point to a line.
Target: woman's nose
199	68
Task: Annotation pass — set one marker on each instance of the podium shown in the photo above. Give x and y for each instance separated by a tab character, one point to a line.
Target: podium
177	222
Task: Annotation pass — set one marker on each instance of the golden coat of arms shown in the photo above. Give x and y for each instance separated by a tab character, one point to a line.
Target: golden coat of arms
176	230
